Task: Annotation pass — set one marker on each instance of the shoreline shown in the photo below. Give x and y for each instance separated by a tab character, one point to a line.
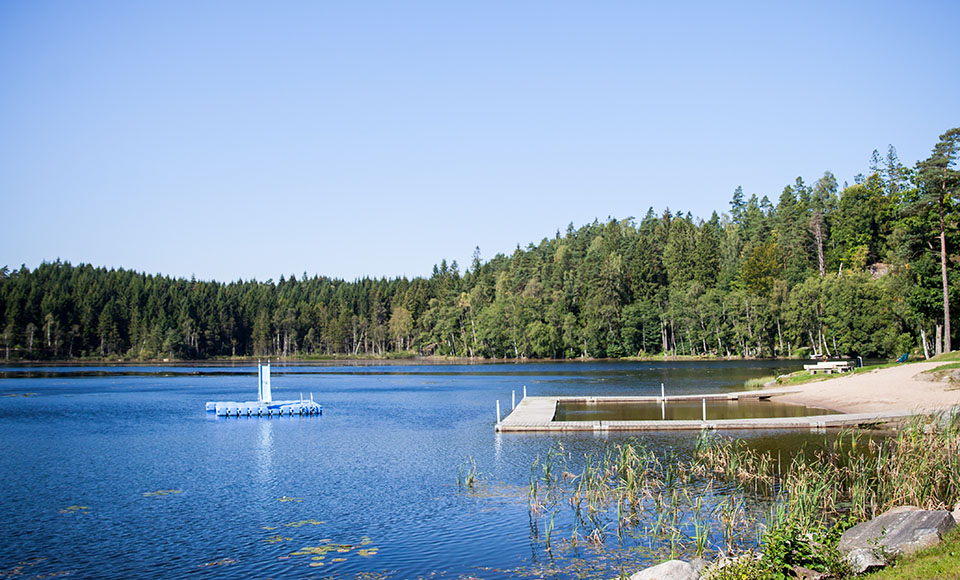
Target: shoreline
432	359
891	389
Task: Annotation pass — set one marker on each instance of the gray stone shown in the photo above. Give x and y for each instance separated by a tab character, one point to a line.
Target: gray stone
864	560
670	570
699	565
902	530
802	573
956	513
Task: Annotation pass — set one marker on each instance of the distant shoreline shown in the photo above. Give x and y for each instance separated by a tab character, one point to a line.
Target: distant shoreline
386	360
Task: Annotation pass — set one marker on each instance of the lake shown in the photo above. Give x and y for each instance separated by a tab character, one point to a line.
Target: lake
118	472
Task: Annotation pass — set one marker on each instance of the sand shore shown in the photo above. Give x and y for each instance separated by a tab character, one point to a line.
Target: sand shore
900	388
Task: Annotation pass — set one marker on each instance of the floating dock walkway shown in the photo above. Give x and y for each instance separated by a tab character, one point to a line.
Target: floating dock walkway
535	414
265	406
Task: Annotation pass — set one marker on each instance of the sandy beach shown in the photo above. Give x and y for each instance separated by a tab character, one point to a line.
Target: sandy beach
900	388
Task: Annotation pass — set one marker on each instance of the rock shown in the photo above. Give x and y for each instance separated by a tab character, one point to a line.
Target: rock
807	574
864	560
902	530
670	570
956	513
901	509
699	564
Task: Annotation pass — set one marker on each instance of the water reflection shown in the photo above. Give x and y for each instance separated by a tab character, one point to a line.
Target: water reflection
265	449
382	461
682	411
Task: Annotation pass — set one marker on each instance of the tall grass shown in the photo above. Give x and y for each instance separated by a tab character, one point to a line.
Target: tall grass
759	382
659	500
856	475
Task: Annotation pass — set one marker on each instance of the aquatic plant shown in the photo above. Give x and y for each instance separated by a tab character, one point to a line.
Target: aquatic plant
302	523
162	492
220	562
747	566
467	475
793	506
75	509
759	382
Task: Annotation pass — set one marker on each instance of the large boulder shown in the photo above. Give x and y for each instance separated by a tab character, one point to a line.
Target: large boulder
670	570
902	530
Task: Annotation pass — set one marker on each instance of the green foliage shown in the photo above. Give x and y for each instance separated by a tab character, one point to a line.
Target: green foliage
743	567
792	542
938	563
745	284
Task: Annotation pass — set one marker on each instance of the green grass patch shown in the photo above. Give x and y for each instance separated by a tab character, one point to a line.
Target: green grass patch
946	357
799	378
941	563
945	367
802	377
759	382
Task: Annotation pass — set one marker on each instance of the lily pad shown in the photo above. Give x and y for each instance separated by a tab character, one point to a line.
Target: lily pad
220	562
162	492
312	550
75	509
303	523
59	574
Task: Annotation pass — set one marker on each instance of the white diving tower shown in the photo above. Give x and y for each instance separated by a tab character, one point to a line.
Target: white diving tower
265	406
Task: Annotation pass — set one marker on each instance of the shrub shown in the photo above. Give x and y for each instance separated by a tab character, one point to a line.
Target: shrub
748	566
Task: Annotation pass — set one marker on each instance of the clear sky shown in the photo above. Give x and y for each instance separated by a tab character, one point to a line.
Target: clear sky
242	139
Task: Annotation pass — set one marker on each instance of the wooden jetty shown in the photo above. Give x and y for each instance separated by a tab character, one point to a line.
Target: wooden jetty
535	414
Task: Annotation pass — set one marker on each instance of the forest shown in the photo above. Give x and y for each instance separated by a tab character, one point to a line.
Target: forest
865	269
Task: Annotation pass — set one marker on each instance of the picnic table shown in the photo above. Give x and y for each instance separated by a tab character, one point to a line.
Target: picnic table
830	367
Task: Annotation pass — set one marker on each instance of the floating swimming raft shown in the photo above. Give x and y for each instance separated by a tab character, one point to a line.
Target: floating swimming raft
265	406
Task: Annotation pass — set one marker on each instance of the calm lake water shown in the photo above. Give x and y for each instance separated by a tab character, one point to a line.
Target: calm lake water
682	411
118	472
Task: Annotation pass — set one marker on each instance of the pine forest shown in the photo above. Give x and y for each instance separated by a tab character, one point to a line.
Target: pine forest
866	269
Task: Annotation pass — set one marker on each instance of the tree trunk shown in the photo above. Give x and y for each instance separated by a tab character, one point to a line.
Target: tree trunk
816	223
473	329
938	342
943	272
663	333
779	336
923	341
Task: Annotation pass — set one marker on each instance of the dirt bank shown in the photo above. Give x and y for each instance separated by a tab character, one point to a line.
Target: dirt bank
890	389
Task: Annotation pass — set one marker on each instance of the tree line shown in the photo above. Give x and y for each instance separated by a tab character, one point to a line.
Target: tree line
866	269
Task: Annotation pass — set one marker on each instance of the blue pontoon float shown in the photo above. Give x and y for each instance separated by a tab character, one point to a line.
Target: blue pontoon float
265	406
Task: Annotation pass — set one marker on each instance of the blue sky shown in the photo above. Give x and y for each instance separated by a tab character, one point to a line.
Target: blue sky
240	139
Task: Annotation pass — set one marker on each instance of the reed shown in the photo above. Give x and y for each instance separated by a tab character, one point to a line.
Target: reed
856	474
467	474
661	500
759	382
